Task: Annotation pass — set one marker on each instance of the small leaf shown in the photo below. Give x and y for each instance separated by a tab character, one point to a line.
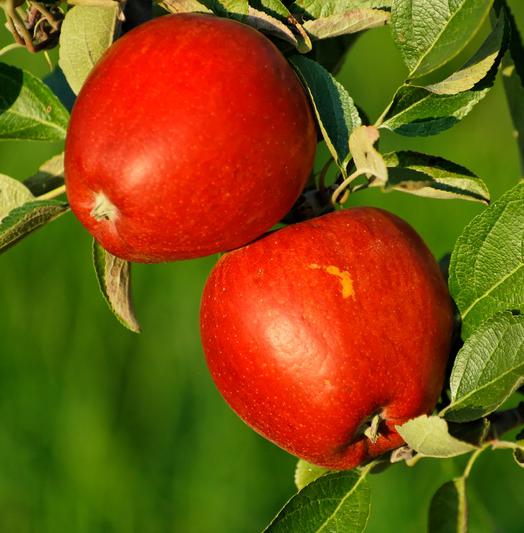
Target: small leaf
228	8
273	26
488	56
334	108
487	264
50	176
433	177
430	437
28	108
86	33
336	502
315	9
416	111
448	512
114	279
345	23
429	33
488	368
23	220
306	473
275	8
366	158
13	194
184	6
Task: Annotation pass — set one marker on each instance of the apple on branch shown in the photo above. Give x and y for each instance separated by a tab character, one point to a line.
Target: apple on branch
325	335
191	136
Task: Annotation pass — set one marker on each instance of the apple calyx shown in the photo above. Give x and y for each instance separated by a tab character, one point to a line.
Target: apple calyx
103	208
371	428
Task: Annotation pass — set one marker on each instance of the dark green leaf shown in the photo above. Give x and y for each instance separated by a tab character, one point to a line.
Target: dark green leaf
314	9
513	78
429	436
488	368
345	23
418	111
487	264
27	218
433	177
114	278
28	108
429	33
334	108
448	511
86	33
306	473
336	502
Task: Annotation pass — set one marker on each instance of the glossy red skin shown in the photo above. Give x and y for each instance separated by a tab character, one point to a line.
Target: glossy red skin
304	364
197	129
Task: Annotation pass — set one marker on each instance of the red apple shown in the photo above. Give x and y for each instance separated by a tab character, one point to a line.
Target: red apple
314	330
192	135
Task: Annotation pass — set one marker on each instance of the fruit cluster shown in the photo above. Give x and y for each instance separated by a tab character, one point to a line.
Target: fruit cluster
192	136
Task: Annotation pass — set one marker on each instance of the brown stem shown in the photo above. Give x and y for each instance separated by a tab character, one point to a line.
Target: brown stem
17	27
46	14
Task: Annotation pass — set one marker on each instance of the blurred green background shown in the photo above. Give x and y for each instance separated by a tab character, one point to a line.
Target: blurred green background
105	431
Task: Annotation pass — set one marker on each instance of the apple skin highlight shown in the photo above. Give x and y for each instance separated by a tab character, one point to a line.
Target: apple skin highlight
191	136
313	330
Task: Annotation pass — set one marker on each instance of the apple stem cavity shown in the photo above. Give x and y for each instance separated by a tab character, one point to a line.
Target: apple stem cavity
103	208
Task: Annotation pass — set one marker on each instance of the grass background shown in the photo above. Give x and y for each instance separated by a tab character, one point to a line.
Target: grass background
104	431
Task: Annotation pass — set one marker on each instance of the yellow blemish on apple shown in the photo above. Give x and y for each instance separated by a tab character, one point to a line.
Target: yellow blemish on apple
343	276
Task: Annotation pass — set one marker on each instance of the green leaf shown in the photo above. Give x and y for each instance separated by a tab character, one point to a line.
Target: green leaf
345	23
86	33
28	108
336	113
337	502
433	177
448	512
23	220
306	473
13	194
273	26
429	33
418	111
50	176
366	158
487	264
228	8
315	9
114	278
184	6
513	79
487	369
476	69
275	8
429	436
